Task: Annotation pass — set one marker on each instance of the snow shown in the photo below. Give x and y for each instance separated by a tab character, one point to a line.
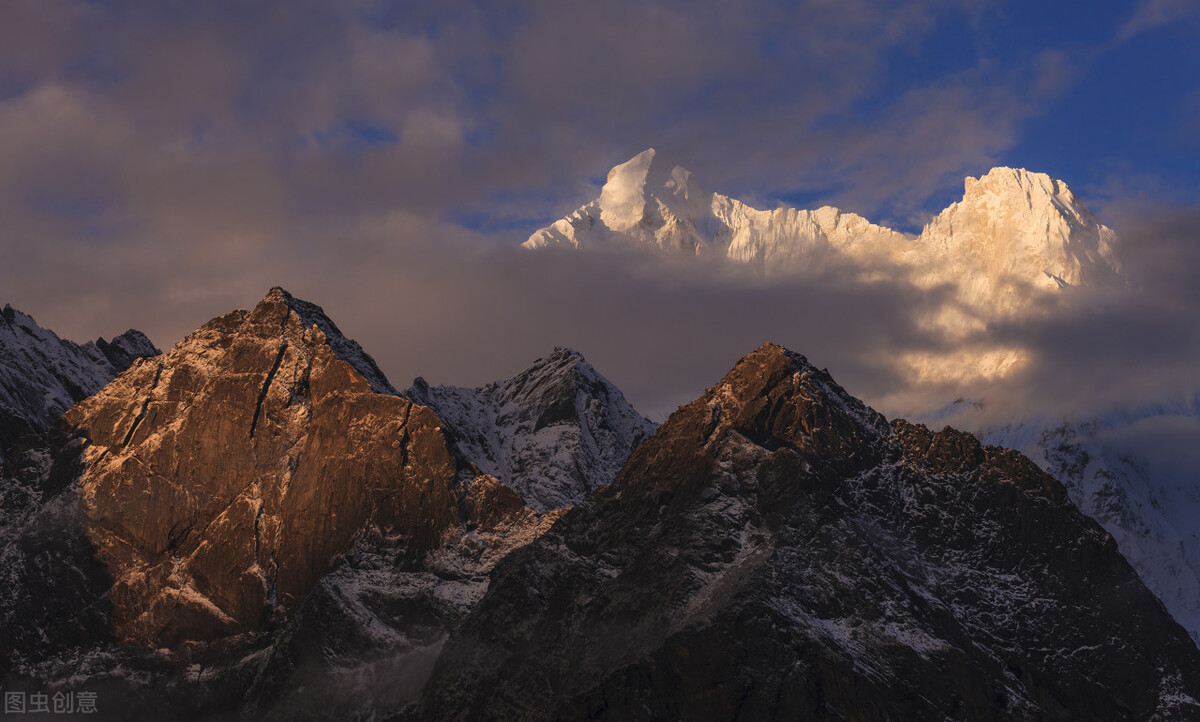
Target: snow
42	375
1012	230
1112	473
622	200
552	433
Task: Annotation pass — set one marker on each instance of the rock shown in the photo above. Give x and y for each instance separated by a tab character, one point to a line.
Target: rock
42	375
223	478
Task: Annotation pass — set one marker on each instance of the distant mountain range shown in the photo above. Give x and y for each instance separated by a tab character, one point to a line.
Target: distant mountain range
1014	236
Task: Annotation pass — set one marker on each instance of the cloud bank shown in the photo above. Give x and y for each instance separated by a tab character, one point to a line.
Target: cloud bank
164	163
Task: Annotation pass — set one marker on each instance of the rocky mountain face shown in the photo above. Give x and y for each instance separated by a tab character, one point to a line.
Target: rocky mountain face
778	550
42	375
222	478
256	502
553	432
1113	475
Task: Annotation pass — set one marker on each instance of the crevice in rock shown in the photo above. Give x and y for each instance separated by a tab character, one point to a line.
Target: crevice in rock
262	395
145	406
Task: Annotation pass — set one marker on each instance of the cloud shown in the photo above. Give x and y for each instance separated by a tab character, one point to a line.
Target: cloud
164	164
1098	350
1152	14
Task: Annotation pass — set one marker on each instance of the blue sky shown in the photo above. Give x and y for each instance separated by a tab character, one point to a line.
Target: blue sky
163	162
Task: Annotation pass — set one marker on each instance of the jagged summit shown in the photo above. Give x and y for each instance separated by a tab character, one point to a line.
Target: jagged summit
553	432
1010	223
126	348
646	203
344	348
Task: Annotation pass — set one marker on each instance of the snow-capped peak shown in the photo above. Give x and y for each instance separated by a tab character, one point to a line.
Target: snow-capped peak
1013	234
623	197
646	203
1013	222
553	432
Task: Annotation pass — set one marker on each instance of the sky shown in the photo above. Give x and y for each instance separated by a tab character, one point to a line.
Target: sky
162	163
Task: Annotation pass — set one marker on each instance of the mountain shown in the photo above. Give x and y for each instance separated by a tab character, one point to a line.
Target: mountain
1015	237
1118	469
1010	225
778	550
255	525
643	204
42	375
256	501
553	432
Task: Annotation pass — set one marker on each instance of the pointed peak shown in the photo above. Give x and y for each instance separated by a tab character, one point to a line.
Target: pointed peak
278	303
763	368
623	197
1005	179
562	360
127	348
564	352
772	375
640	162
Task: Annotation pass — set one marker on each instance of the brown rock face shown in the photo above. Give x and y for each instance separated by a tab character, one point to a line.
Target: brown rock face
225	476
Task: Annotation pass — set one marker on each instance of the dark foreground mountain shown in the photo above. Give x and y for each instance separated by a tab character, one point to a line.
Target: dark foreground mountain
778	550
553	432
253	523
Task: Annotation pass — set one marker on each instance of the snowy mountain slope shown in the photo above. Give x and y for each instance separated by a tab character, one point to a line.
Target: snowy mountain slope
1010	225
644	204
1113	474
42	375
553	432
1014	224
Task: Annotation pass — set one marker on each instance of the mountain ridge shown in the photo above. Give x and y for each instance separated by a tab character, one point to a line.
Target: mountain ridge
778	550
553	432
42	375
643	206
